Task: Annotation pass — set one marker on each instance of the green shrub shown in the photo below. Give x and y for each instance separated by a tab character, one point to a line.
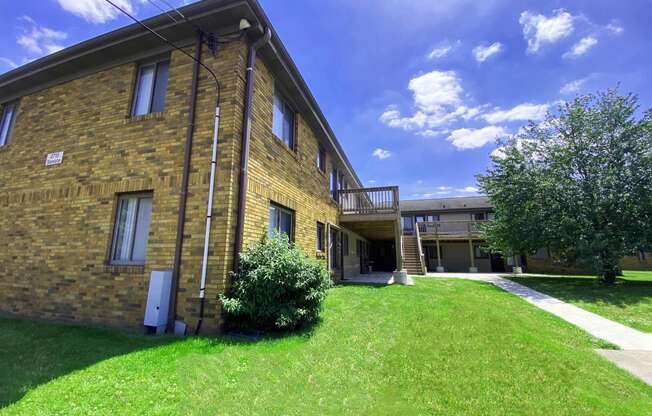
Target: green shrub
278	286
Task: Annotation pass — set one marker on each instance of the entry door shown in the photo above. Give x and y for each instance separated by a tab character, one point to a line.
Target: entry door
431	257
335	251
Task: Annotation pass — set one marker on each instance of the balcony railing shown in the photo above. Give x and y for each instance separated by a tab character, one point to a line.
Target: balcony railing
369	201
442	229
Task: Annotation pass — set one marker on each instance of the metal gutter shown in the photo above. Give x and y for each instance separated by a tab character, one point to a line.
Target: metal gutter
246	143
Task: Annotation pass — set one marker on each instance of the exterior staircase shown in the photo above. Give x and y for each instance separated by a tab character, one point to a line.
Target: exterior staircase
411	257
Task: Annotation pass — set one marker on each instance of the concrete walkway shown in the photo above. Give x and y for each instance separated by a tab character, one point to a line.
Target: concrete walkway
636	346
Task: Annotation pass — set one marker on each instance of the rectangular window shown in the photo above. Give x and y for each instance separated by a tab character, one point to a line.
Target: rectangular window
345	244
334	184
283	121
320	236
131	230
321	159
281	221
7	122
408	225
480	216
334	243
151	87
480	252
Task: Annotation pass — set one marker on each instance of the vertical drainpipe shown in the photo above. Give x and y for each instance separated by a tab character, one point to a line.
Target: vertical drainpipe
245	144
183	196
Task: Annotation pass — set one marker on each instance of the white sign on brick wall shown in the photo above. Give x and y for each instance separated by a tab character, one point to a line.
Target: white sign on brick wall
55	158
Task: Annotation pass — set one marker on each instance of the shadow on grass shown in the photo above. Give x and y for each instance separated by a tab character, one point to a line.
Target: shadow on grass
34	353
577	289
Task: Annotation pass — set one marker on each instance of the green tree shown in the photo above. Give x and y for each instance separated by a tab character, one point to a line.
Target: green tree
580	184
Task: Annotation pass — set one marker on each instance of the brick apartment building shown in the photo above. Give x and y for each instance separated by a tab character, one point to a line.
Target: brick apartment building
106	150
105	144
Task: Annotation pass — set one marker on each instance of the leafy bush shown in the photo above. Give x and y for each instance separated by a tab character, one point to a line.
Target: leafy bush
278	286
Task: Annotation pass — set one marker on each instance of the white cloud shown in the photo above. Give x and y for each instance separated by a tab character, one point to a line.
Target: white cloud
444	190
40	40
371	181
381	154
482	53
474	138
443	50
438	101
96	11
539	29
522	112
581	47
573	86
468	190
436	89
615	28
8	62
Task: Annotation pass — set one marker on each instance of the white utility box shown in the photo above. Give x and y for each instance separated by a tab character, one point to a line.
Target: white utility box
158	300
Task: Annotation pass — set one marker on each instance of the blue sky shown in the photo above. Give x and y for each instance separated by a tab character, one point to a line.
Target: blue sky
418	90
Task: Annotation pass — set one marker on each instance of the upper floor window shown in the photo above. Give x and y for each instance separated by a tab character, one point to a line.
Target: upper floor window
151	87
283	121
334	183
131	230
7	122
321	159
281	221
480	216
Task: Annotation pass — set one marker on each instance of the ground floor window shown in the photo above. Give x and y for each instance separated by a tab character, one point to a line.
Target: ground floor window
281	221
345	244
320	236
131	230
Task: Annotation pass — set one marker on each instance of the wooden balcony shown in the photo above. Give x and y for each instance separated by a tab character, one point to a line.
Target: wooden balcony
450	230
381	201
371	212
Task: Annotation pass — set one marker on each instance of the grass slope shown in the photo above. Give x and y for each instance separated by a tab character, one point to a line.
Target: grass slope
441	347
629	301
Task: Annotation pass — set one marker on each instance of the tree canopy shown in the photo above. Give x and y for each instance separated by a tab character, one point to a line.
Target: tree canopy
579	183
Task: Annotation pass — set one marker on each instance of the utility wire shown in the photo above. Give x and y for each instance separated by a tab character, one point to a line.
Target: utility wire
162	10
164	39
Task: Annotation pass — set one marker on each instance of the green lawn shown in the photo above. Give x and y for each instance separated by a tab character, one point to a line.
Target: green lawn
629	301
441	347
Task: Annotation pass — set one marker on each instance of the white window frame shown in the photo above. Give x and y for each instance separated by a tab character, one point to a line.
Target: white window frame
139	197
7	123
153	90
285	109
280	210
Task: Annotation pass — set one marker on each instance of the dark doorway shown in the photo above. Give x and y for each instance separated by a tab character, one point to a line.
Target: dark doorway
497	263
382	254
335	252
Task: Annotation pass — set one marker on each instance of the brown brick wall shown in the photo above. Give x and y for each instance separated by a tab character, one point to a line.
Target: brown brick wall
286	177
57	221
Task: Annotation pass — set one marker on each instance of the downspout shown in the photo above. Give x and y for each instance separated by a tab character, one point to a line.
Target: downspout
209	216
246	143
183	196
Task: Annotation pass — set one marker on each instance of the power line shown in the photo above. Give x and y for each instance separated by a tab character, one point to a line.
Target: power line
162	10
158	35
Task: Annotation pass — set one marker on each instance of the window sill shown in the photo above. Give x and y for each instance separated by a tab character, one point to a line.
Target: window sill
144	117
124	268
281	143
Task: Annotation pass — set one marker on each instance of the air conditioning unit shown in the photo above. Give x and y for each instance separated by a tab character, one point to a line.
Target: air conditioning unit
158	301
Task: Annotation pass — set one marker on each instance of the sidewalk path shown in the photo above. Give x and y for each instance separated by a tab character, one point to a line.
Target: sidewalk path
637	345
